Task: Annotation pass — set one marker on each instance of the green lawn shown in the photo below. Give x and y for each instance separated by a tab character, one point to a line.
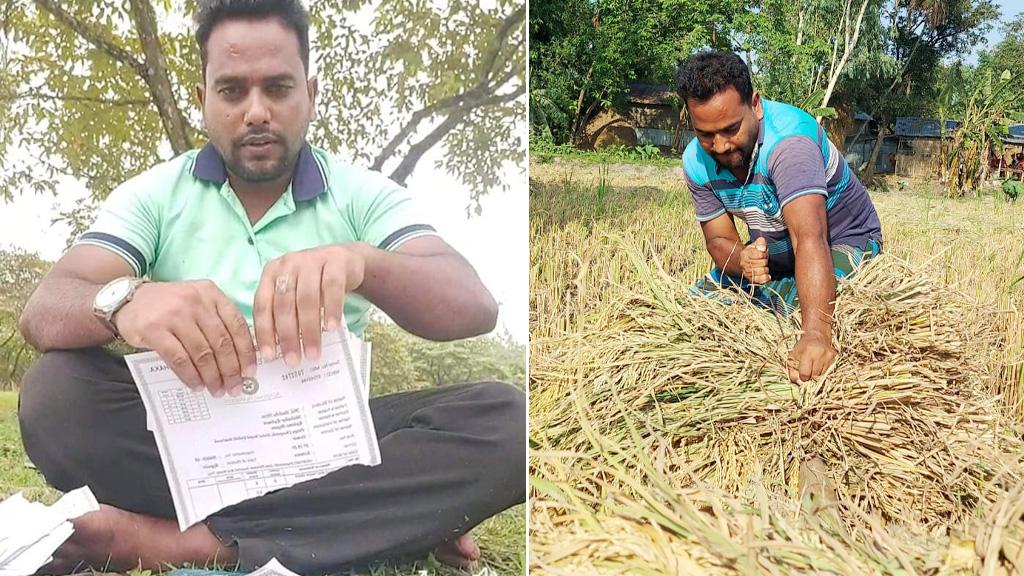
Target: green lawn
502	539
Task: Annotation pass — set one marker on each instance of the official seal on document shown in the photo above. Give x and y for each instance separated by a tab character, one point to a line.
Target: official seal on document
250	386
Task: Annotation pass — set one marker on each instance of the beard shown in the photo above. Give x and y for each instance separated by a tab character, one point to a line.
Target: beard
738	158
266	164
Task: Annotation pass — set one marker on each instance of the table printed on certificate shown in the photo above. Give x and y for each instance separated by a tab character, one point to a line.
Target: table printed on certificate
289	425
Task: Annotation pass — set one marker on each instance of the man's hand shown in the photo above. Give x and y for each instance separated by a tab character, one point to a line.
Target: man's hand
292	292
196	329
754	261
812	355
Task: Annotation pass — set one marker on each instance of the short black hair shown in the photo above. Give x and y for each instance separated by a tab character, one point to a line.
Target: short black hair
292	13
707	73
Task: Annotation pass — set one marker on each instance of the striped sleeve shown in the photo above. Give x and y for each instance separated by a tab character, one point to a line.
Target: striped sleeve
390	216
128	226
706	205
797	166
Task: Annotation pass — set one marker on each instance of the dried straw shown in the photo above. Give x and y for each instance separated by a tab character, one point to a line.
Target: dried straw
667	438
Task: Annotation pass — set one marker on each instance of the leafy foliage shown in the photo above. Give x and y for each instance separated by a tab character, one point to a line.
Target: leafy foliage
80	97
986	114
19	274
584	54
402	361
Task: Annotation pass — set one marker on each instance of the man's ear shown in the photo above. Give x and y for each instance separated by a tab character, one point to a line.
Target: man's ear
312	87
201	96
755	101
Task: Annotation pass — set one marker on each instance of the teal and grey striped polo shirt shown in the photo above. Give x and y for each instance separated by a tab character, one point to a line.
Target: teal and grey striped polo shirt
792	158
180	220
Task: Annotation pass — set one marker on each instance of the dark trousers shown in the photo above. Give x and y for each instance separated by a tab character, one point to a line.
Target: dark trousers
451	457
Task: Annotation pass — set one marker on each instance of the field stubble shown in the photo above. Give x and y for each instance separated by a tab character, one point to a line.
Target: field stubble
666	438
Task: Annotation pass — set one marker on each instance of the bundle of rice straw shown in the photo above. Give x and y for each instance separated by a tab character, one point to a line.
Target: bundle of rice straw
667	438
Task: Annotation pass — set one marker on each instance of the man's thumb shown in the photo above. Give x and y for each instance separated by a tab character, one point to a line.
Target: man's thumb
761	244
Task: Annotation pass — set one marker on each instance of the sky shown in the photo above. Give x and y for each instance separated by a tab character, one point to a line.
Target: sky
1009	9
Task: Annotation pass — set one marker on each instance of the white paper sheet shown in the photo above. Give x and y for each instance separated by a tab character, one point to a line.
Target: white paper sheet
273	568
30	532
360	353
298	424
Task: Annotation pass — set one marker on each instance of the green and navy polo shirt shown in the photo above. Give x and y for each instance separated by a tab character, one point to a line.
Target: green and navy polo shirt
792	158
180	220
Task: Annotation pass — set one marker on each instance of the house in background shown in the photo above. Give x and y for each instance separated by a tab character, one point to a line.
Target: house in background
860	139
913	151
1010	163
650	116
919	145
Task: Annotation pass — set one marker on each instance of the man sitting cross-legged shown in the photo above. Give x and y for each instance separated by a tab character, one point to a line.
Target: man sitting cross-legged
258	227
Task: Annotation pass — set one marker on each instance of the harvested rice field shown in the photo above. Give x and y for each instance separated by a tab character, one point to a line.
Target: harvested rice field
666	438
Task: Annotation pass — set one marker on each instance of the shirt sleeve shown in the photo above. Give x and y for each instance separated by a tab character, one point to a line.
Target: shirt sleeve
389	215
797	168
128	225
707	205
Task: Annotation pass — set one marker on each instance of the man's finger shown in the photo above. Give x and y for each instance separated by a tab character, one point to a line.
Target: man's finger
286	321
332	294
202	355
240	335
263	314
794	375
223	345
173	353
806	369
307	299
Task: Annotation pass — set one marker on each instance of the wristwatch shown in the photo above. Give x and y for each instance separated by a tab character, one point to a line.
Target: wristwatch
113	297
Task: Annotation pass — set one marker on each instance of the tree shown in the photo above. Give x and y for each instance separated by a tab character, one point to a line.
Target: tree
799	51
101	90
897	74
19	274
985	116
986	100
402	361
585	53
1007	54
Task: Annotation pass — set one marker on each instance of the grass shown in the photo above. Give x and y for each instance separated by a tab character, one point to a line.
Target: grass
502	539
543	152
666	439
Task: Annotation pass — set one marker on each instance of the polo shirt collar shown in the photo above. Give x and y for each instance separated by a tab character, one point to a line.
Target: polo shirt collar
307	181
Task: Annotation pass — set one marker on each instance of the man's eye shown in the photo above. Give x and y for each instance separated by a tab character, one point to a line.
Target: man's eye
279	88
230	91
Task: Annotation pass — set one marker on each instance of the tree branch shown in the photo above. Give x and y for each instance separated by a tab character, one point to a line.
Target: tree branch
75	98
92	36
484	85
408	164
157	77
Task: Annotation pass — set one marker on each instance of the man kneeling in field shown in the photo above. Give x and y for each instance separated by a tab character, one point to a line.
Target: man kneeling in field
259	227
772	165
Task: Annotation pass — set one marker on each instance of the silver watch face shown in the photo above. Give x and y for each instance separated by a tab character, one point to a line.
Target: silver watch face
113	294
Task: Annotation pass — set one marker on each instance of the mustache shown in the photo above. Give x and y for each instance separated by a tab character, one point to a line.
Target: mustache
259	135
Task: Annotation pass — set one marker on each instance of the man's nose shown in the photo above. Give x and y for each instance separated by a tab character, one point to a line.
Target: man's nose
257	111
721	145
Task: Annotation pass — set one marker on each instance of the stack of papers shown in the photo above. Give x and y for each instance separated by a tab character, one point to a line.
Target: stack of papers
30	532
290	425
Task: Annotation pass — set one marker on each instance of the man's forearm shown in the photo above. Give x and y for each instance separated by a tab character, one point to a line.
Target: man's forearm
59	316
816	286
439	297
725	253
